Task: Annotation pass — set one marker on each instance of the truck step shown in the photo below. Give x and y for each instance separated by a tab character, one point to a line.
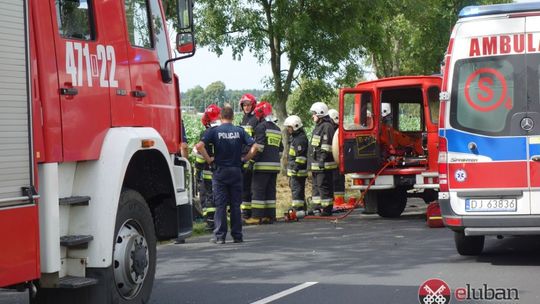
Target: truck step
76	282
75	240
75	200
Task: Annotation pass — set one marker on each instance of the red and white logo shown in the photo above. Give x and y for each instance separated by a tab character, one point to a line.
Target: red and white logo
434	291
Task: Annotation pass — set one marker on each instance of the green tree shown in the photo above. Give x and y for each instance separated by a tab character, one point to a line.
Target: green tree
309	38
194	97
410	36
215	93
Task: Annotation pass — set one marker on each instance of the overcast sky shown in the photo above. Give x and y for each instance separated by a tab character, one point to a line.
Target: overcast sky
205	67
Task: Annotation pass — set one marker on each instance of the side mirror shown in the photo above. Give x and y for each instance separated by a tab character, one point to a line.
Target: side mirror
185	43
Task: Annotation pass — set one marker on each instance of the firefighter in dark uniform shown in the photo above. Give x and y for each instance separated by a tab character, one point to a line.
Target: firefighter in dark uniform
297	161
249	122
320	158
210	119
266	167
227	175
339	179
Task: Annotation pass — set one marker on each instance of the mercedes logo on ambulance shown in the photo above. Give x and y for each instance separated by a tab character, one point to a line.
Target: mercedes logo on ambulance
527	124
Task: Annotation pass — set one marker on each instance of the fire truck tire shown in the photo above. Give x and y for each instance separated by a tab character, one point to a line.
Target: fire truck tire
392	203
468	245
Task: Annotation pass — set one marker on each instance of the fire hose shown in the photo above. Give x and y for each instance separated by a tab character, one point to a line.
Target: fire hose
360	201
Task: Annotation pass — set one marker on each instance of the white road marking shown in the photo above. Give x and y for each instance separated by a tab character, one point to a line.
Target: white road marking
285	293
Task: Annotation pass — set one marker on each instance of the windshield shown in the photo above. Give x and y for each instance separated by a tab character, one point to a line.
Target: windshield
491	95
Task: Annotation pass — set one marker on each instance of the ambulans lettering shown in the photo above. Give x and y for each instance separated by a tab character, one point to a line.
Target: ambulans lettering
80	64
230	135
504	44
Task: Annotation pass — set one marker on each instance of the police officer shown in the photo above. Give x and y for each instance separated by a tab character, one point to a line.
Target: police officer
227	176
339	179
266	167
210	119
249	122
297	161
321	159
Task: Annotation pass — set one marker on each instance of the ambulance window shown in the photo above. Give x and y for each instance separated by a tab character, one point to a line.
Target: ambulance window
357	113
138	23
410	117
434	103
75	19
483	94
160	38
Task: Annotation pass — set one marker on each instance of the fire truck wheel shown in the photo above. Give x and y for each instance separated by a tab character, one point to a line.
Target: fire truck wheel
391	203
468	245
134	252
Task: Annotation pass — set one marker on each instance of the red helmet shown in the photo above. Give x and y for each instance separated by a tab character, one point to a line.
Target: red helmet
212	112
204	120
248	98
263	109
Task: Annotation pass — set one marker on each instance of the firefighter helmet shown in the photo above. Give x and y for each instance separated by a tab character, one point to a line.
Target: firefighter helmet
248	98
294	122
385	109
263	109
319	108
204	120
334	115
212	112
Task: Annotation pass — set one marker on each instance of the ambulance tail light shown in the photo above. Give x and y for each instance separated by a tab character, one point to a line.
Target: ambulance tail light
443	165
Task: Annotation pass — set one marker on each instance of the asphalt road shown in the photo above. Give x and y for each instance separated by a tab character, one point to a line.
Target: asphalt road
362	259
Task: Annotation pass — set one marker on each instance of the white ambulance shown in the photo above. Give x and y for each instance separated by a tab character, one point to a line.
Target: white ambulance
489	128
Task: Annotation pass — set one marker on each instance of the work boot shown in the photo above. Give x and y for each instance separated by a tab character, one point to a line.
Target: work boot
267	220
252	221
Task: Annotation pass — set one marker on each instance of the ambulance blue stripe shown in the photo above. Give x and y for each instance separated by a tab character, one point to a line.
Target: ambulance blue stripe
496	148
534	149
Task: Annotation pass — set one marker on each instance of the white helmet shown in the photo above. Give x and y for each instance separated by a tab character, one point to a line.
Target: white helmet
319	108
385	109
293	121
334	115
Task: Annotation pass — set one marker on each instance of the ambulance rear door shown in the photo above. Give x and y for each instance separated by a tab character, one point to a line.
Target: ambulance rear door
491	120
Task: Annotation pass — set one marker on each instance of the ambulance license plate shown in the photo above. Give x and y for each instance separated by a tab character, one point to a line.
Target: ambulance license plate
491	205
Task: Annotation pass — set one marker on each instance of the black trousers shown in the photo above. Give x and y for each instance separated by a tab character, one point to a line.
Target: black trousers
298	190
227	185
246	193
207	201
323	192
263	186
339	184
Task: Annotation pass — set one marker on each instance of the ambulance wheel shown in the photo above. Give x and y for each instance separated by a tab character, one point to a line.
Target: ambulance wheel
392	203
468	245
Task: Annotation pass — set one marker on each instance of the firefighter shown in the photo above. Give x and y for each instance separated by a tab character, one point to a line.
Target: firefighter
267	165
321	160
297	161
227	175
210	119
249	122
339	179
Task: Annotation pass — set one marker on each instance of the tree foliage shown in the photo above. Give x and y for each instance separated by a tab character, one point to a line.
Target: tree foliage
312	38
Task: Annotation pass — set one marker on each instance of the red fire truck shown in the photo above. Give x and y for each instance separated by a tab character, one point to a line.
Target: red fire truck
90	130
388	138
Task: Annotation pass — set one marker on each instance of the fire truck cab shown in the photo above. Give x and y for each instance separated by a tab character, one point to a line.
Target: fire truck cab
490	125
90	119
390	122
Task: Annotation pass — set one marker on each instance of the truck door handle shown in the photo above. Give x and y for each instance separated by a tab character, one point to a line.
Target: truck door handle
69	91
535	157
138	94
